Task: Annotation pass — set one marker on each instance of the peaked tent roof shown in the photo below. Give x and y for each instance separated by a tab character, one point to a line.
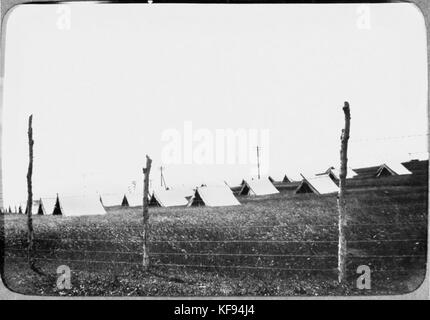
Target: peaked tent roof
80	206
394	168
287	179
321	184
258	187
213	196
290	178
169	198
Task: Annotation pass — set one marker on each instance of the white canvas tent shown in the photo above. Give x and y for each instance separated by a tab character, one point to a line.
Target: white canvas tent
168	198
320	184
258	187
74	206
392	168
213	196
112	200
286	179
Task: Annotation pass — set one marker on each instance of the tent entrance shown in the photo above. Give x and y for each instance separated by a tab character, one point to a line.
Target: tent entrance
153	202
197	200
57	208
245	190
304	188
286	180
40	210
384	172
124	202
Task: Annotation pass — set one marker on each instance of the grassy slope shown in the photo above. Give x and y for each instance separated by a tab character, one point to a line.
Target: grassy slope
267	235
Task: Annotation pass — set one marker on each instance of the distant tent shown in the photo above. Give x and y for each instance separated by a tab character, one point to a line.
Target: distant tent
213	196
48	205
113	200
319	184
392	169
78	206
258	187
124	202
271	179
334	173
7	208
36	207
10	208
168	198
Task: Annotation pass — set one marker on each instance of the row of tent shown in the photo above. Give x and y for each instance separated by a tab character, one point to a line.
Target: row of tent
222	195
67	206
385	169
211	196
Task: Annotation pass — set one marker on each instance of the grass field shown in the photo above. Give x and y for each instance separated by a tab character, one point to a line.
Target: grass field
277	245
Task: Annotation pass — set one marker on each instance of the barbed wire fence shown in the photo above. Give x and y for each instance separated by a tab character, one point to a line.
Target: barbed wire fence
299	259
57	250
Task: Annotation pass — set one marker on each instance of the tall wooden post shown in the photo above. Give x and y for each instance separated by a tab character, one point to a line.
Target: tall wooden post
341	196
30	232
146	172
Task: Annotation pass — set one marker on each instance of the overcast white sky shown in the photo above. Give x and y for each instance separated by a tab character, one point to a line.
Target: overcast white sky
104	91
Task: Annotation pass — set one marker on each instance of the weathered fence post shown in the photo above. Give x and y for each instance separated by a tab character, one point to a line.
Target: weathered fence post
146	172
341	196
30	232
